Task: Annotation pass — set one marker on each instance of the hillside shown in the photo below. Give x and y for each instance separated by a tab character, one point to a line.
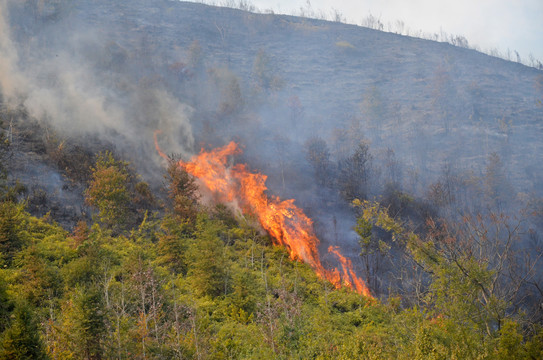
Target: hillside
413	168
452	98
413	96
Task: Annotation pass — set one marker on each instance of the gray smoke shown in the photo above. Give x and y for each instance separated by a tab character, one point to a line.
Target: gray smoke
55	70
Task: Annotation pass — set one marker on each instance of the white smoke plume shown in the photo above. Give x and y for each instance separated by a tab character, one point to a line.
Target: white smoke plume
55	73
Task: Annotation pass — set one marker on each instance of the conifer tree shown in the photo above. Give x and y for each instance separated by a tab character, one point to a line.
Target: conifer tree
207	269
108	190
5	304
86	320
183	192
11	239
22	340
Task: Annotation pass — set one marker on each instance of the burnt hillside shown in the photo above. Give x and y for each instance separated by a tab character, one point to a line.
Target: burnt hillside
430	102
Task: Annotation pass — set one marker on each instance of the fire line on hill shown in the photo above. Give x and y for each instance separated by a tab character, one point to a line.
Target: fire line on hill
287	224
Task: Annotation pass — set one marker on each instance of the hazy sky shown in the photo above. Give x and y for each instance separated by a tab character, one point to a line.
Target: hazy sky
502	24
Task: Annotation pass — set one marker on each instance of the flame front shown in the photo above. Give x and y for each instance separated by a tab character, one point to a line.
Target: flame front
285	222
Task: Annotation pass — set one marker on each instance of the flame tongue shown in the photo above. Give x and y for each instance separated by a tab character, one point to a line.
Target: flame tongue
349	276
285	222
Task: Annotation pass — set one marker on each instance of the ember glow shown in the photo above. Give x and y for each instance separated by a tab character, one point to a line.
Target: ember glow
285	222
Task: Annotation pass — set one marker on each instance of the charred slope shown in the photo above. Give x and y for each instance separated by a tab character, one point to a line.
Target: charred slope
430	102
416	96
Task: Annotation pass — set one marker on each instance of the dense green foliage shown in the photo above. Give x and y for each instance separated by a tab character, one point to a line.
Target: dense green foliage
195	282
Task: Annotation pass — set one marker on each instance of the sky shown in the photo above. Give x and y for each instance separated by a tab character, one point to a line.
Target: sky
488	24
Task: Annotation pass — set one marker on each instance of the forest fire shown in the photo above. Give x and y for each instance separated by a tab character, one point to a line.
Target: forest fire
285	222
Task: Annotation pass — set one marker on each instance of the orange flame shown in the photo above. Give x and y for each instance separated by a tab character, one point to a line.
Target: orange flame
285	222
348	273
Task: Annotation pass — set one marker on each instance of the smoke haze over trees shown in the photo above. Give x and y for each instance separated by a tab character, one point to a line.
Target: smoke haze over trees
438	146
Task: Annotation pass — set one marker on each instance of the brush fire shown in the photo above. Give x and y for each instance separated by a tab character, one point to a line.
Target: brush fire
286	223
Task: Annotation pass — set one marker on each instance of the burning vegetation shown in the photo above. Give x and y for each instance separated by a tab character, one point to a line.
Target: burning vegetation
286	223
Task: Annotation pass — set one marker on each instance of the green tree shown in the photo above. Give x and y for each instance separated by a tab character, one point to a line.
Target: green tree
510	342
244	292
84	270
472	266
22	339
86	319
207	269
182	191
142	202
6	305
372	249
147	298
173	244
12	239
36	280
108	190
